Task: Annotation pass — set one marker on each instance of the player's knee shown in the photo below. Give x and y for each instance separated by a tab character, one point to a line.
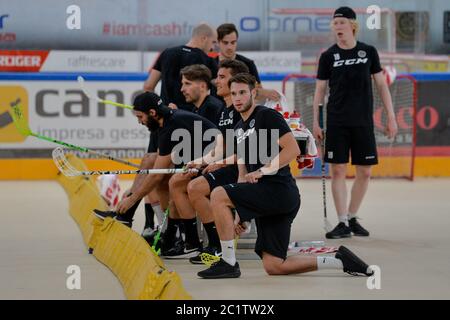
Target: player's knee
363	172
339	171
192	190
272	267
218	196
196	188
174	183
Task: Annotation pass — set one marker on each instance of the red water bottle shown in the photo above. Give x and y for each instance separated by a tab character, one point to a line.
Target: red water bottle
294	120
278	108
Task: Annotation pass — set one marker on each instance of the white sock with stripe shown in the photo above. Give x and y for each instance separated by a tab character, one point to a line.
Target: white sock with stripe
326	262
343	218
228	252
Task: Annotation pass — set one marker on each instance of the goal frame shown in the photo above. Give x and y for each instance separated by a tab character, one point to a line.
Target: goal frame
290	77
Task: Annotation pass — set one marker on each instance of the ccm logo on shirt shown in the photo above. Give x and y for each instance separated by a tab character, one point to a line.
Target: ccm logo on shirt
225	122
349	62
243	135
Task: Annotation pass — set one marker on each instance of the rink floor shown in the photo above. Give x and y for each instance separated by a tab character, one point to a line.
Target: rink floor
409	224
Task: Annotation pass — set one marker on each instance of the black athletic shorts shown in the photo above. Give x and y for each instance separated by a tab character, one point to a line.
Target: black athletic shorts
359	141
222	176
274	203
153	143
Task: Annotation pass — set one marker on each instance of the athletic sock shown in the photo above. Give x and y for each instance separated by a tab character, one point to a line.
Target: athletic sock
213	236
158	212
149	216
190	226
343	218
181	229
325	262
129	214
228	253
352	215
171	230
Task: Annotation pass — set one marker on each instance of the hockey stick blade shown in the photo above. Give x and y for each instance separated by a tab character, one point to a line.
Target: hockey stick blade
88	94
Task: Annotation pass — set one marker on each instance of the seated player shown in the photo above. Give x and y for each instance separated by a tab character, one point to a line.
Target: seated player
150	110
265	191
152	204
195	84
215	174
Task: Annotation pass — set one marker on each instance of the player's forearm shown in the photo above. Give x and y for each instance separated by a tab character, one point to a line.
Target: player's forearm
148	86
264	93
152	80
319	96
281	160
229	160
147	163
242	171
289	151
387	100
214	155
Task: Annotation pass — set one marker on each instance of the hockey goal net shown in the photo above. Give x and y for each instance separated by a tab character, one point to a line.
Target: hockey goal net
396	157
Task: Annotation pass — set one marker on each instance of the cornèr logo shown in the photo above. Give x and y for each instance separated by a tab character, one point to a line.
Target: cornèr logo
22	60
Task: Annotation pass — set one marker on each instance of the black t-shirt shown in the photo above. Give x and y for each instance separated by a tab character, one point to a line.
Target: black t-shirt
187	124
251	67
251	136
228	120
249	63
211	109
349	73
170	62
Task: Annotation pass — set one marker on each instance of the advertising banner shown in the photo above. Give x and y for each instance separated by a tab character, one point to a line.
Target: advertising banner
22	60
93	61
60	110
433	118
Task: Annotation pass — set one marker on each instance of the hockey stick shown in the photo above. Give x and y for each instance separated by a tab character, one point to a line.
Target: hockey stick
326	224
158	234
23	128
91	96
68	170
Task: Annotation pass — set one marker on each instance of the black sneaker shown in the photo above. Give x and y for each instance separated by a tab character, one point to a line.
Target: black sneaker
181	250
208	250
112	214
357	229
168	241
340	231
220	270
352	264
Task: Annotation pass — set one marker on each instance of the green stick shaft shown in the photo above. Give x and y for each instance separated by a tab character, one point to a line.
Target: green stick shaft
84	150
158	235
121	105
71	146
